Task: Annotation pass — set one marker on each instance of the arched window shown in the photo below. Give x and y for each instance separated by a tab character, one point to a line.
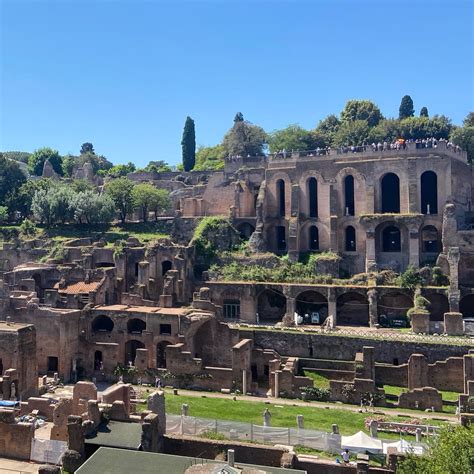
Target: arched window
136	325
429	193
350	239
349	203
313	197
391	239
313	236
102	323
429	239
281	197
165	266
391	193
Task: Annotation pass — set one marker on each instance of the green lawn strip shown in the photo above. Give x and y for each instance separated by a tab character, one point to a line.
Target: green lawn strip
395	390
318	380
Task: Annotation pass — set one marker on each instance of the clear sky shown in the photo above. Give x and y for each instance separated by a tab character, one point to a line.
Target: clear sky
125	74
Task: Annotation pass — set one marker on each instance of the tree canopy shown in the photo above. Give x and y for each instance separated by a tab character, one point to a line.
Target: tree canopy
361	110
424	112
244	138
295	137
11	179
147	198
188	145
469	120
406	108
210	158
37	159
120	191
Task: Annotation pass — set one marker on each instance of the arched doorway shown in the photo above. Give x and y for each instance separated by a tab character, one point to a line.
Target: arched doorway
271	306
281	199
161	354
392	309
166	265
352	309
102	323
350	239
390	193
131	350
429	239
391	239
246	230
349	201
466	306
136	326
439	305
313	306
313	197
313	238
429	192
98	360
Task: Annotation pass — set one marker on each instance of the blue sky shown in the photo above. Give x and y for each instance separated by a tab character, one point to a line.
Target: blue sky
125	74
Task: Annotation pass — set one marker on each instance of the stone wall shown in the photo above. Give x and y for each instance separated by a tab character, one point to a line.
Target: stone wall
15	438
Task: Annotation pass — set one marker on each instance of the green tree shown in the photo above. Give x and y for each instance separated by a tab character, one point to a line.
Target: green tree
120	191
159	166
351	133
87	148
450	452
469	120
21	156
424	112
406	108
145	199
11	179
328	128
188	144
41	207
3	214
387	130
361	110
69	161
464	137
417	128
161	202
121	170
295	138
239	117
93	208
244	138
26	192
210	158
38	157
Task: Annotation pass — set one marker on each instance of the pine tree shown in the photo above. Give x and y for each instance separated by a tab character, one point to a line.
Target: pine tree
406	108
239	117
424	112
188	144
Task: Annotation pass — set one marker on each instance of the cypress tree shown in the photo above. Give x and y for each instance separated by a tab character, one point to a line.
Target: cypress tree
406	108
188	144
424	112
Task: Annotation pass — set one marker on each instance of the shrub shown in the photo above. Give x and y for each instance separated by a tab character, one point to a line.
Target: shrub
316	393
410	278
28	228
3	214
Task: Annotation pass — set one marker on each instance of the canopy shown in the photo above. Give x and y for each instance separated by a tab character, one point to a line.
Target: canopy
8	403
403	447
361	442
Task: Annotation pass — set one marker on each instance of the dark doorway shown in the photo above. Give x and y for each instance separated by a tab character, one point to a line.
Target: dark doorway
391	194
38	288
165	267
429	193
349	196
131	351
391	239
161	354
466	306
98	360
313	238
136	326
280	238
313	306
281	197
313	197
350	239
271	306
1	367
429	239
102	323
246	230
53	364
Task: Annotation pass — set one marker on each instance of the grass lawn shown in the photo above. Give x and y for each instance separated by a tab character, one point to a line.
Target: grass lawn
315	418
318	380
447	396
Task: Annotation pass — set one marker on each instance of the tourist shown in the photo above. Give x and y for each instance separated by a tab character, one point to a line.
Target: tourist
345	456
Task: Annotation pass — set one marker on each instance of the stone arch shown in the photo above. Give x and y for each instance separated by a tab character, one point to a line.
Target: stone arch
439	304
131	350
390	193
166	266
392	308
273	195
466	306
358	203
429	192
271	306
322	235
313	306
391	239
246	230
161	354
136	325
430	242
352	309
102	323
350	239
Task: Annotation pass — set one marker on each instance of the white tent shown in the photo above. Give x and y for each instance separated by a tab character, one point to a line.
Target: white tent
403	447
361	442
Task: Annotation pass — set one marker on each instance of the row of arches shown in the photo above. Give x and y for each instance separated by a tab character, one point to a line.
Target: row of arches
389	192
103	323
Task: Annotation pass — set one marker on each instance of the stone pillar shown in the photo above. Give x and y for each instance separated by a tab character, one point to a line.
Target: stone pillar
372	295
418	435
414	249
370	199
143	273
156	404
244	382
332	305
373	428
333	233
370	256
184	409
413	207
369	362
417	371
151	439
454	294
468	368
300	421
231	457
277	383
75	454
453	324
289	318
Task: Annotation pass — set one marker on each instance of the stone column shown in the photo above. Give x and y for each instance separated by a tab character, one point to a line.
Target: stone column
454	294
289	318
412	188
244	382
372	295
414	249
143	273
277	383
370	256
417	371
332	305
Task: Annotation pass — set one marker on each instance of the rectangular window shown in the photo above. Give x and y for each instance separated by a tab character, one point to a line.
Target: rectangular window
232	309
53	364
165	329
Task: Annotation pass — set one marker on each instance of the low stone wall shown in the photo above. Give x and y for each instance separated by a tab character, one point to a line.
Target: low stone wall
15	438
209	449
386	374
